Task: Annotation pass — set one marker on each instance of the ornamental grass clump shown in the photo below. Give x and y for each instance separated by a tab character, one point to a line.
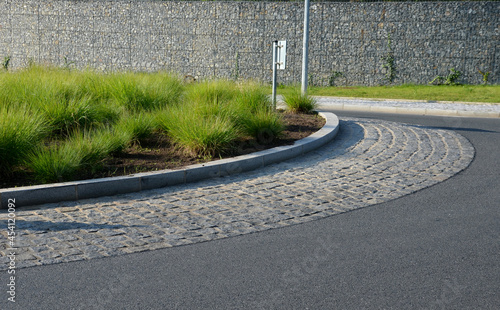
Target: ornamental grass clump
264	126
252	98
54	164
211	93
207	137
60	96
82	151
66	116
21	131
197	132
215	114
256	117
202	123
98	144
30	86
139	125
299	103
144	92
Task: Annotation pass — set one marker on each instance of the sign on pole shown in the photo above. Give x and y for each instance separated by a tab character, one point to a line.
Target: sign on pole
281	61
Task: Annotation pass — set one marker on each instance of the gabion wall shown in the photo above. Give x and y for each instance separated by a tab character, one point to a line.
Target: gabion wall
349	42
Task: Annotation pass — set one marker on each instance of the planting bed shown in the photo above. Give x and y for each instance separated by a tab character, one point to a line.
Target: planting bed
61	125
158	153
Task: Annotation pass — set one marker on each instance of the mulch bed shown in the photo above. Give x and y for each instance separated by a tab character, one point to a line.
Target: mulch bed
157	153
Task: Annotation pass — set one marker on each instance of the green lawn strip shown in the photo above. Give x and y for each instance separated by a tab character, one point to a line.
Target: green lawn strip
460	93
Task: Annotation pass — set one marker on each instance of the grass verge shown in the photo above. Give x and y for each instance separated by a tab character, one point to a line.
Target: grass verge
462	93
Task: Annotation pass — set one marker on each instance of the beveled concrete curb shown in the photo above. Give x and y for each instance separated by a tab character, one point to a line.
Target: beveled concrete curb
70	191
408	111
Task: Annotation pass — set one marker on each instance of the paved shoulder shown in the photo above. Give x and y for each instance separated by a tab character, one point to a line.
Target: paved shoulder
369	162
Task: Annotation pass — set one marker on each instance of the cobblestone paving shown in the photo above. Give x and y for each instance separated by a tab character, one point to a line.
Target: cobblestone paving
369	162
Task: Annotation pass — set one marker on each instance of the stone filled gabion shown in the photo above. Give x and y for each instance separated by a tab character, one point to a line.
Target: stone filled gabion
205	38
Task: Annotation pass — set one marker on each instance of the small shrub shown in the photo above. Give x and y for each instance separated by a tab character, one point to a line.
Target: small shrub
389	62
6	62
485	76
67	64
299	103
333	77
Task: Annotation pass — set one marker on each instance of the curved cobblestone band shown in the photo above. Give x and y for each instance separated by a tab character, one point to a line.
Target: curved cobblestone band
368	163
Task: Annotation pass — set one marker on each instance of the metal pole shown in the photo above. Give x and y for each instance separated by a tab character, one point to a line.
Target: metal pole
305	48
275	55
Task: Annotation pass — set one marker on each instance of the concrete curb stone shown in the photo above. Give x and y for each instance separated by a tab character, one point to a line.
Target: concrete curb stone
411	111
416	107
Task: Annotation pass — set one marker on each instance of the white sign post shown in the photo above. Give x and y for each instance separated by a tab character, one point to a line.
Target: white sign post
279	63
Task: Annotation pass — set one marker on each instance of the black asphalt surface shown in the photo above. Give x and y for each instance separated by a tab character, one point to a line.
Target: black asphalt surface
438	248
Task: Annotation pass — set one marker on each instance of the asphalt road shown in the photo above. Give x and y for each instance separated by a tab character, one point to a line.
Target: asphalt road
438	248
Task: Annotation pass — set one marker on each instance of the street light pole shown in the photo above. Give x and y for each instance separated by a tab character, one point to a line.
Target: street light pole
305	48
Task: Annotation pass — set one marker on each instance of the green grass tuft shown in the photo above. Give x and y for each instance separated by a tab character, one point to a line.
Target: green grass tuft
82	151
198	133
21	131
253	98
66	116
298	103
213	92
54	164
264	126
139	125
141	91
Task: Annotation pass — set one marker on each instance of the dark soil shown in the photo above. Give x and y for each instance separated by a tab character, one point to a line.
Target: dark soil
158	153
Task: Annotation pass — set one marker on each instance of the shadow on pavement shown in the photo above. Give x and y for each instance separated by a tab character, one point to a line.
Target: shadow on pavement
44	226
